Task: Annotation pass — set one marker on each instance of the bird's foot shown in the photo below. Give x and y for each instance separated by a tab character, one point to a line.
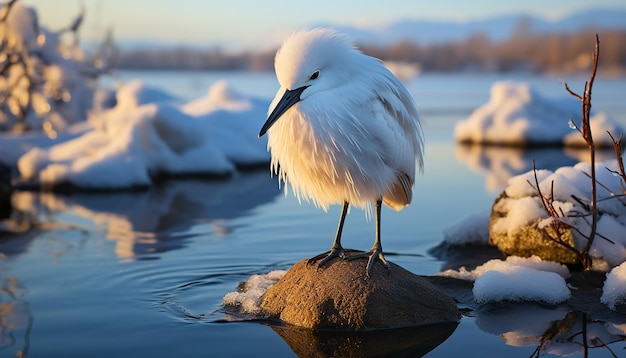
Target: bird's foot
371	255
327	256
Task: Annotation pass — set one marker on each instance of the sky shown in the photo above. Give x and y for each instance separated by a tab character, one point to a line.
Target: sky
249	23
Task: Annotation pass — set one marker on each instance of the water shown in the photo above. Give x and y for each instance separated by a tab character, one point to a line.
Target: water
144	274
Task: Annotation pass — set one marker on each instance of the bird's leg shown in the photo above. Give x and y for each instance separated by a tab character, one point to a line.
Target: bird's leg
376	252
336	250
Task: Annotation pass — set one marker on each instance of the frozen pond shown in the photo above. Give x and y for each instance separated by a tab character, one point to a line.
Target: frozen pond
144	273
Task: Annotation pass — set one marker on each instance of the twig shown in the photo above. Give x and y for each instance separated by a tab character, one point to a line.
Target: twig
585	130
617	147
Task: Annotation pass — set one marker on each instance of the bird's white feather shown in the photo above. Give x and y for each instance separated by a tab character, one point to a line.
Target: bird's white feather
354	136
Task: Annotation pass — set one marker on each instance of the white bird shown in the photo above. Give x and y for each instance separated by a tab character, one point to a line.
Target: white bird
342	129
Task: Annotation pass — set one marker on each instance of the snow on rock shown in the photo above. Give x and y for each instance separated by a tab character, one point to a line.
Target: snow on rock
147	134
248	299
524	207
614	290
516	279
517	115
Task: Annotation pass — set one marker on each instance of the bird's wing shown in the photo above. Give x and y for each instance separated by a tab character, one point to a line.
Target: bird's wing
401	110
403	141
401	193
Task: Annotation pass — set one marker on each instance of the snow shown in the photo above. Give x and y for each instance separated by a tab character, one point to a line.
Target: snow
148	133
248	299
13	147
518	115
614	290
94	140
516	279
473	229
520	284
524	207
140	132
531	279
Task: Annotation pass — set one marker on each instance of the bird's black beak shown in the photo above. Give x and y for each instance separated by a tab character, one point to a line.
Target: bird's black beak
290	98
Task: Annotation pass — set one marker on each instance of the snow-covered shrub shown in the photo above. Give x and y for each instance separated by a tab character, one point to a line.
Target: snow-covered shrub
45	84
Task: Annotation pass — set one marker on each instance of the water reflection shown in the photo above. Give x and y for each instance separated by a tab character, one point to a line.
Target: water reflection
159	219
576	326
404	342
16	319
557	331
501	163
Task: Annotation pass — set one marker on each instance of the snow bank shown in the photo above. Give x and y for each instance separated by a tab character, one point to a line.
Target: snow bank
149	133
248	299
516	279
517	115
524	206
614	290
473	229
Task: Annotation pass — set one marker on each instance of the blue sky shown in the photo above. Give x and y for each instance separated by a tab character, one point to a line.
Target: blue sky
245	23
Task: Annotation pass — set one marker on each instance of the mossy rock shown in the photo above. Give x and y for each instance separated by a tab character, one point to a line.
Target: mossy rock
529	240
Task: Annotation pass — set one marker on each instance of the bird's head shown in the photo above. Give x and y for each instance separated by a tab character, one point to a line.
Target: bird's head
307	63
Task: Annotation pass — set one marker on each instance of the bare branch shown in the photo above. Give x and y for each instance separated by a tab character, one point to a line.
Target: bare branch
8	7
572	93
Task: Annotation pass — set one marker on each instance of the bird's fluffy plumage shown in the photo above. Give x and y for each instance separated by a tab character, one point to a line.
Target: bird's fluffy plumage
354	136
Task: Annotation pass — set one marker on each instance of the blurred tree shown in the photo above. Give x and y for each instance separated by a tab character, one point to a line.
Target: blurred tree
44	83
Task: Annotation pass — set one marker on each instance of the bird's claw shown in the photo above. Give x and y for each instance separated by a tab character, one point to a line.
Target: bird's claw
327	256
371	255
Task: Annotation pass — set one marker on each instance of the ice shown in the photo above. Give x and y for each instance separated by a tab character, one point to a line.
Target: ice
614	290
571	124
517	114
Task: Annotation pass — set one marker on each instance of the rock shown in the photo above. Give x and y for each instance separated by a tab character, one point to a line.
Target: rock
341	296
528	240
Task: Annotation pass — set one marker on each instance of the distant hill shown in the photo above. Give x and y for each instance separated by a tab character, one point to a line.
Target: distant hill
429	32
496	29
508	43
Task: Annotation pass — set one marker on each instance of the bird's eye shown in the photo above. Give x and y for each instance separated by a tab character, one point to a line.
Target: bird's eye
315	75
